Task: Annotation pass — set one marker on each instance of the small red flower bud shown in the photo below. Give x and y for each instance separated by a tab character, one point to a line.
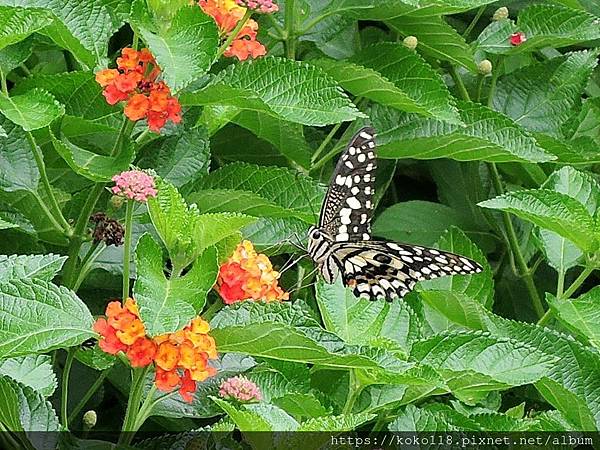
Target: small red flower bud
517	38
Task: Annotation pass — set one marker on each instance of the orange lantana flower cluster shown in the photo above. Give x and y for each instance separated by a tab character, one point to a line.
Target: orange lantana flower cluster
249	275
134	81
227	13
180	358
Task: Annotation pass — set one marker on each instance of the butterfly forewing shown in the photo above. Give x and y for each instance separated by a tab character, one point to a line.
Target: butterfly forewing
347	209
381	269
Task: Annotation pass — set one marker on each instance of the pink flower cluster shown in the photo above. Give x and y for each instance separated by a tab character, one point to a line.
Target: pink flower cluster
240	388
260	6
134	185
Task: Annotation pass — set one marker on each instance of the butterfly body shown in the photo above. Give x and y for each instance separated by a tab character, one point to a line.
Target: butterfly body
341	243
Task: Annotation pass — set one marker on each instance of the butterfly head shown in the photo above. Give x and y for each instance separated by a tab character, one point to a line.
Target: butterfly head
319	243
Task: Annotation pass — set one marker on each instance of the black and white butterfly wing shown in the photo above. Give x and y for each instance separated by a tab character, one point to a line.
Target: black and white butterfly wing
348	206
382	269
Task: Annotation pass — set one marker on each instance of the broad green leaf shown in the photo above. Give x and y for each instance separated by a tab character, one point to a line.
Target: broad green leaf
210	229
581	315
579	151
279	186
41	267
77	91
287	137
488	136
33	110
473	362
458	310
552	211
419	222
179	159
81	26
5	225
37	316
359	322
168	304
33	371
541	97
275	234
187	49
284	332
300	405
424	419
291	90
14	55
561	253
9	405
436	38
344	422
18	23
479	286
94	167
413	76
544	25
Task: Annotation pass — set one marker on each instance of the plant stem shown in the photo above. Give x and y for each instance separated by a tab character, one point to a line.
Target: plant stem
495	75
127	247
560	284
64	392
213	309
480	83
480	12
459	84
54	206
290	32
3	83
325	142
234	33
88	395
25	69
145	408
354	389
133	405
87	262
513	244
567	294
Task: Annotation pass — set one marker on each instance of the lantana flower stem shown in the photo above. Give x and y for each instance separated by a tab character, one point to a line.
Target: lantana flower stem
127	246
136	391
88	395
290	29
64	414
234	33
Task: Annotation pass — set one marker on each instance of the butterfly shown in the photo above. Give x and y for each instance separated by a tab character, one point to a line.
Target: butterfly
341	242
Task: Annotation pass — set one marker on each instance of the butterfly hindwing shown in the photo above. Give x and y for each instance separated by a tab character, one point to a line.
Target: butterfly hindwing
382	269
347	209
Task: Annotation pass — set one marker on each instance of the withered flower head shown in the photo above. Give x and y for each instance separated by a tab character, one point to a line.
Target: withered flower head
108	230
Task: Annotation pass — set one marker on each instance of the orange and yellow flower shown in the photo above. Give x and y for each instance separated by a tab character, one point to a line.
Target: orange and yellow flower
249	275
227	14
180	358
134	81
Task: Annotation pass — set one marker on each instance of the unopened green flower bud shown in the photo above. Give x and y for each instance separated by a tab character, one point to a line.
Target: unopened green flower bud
90	418
117	201
500	14
485	67
410	42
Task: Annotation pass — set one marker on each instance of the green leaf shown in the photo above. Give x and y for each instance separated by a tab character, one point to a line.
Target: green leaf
424	419
37	316
297	193
358	322
258	417
552	211
187	49
488	136
41	267
541	97
581	315
33	110
33	371
81	26
290	90
94	167
478	286
419	222
561	253
210	229
577	151
474	362
78	91
18	23
544	25
436	38
341	423
9	406
283	331
36	414
180	159
14	55
458	310
286	136
18	170
168	304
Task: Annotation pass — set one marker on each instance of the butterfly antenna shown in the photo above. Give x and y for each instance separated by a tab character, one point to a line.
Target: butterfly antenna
307	198
288	265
